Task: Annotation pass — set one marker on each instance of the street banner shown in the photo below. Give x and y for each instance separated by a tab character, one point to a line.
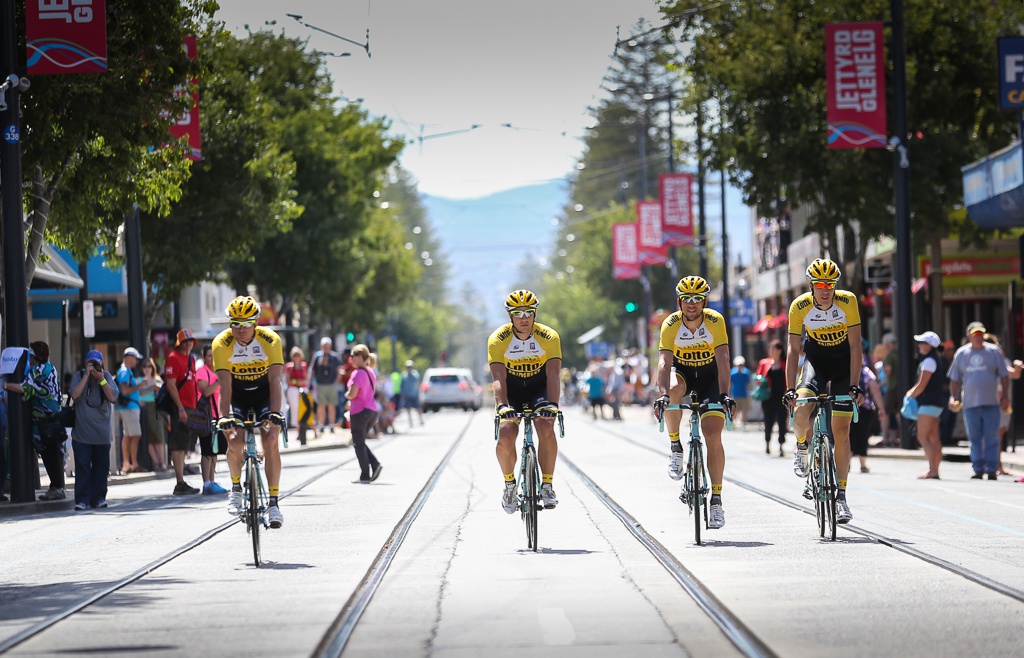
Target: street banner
1011	73
65	36
188	123
855	85
676	194
651	248
625	256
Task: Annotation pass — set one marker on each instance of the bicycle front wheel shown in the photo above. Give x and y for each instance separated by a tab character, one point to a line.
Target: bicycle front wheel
816	483
696	484
830	485
252	511
531	496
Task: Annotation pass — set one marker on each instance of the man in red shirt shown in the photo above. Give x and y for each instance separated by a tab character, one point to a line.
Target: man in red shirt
180	375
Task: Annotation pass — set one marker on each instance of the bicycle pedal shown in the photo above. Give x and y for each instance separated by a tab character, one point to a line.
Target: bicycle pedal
807	493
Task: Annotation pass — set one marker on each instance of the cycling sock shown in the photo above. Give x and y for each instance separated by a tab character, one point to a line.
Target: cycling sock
673	438
716	489
274	491
236	480
841	494
801	443
510	477
545	478
716	499
842	486
273	501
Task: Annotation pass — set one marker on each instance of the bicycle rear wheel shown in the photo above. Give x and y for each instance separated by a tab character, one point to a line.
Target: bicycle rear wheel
252	511
531	493
830	486
695	484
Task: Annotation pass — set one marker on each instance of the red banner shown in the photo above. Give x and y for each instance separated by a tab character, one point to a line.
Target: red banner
188	124
66	36
675	191
651	247
855	85
625	257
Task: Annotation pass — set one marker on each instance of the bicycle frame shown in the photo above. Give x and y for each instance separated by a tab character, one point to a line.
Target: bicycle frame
822	479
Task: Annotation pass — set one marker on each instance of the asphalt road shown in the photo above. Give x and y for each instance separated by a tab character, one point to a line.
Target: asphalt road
927	568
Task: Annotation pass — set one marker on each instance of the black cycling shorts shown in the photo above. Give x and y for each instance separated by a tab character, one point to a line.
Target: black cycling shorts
242	407
824	374
701	384
531	397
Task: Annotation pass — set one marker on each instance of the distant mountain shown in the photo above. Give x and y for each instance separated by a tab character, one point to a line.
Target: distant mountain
487	239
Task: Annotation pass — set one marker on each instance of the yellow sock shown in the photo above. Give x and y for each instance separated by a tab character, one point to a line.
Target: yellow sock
716	489
842	485
545	478
236	479
802	441
273	491
510	477
673	437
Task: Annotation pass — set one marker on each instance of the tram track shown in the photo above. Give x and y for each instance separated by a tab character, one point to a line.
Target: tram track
881	540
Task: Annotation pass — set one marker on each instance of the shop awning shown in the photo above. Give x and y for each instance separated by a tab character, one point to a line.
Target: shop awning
779	321
994	189
590	335
761	325
53	271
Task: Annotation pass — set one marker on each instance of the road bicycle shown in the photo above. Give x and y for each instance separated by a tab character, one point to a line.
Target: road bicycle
696	492
255	499
822	481
529	500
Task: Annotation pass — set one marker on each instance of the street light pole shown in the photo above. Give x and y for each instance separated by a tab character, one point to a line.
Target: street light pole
15	290
702	244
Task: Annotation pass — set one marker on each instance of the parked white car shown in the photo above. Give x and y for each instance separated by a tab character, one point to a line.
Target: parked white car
450	387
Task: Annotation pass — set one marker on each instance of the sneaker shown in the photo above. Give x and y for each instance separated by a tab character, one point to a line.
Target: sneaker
716	517
53	494
675	466
212	488
275	517
184	489
101	505
81	507
843	513
978	476
547	496
375	472
991	476
508	499
235	503
800	461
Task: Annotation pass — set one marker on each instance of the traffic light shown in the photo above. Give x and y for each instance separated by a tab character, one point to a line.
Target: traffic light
350	336
630	307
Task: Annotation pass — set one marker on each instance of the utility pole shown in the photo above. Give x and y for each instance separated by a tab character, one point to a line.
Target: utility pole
133	265
702	237
24	470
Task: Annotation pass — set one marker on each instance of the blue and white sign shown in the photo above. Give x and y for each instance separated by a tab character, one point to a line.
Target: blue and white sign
597	349
1011	73
11	134
742	312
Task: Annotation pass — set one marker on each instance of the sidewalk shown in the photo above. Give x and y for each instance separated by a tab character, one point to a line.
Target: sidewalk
325	441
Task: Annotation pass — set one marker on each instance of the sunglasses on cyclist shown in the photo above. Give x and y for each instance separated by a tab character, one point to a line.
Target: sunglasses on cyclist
523	314
824	285
236	324
692	299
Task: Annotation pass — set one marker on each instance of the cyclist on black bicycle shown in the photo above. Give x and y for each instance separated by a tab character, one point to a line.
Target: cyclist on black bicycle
825	324
250	366
694	359
525	358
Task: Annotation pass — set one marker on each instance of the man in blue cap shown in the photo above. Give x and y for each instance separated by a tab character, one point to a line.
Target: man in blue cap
93	392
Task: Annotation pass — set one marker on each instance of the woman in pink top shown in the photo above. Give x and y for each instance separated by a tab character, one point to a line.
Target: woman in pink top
209	389
362	411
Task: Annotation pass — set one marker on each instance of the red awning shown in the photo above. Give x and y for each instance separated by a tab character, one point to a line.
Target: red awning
761	325
779	321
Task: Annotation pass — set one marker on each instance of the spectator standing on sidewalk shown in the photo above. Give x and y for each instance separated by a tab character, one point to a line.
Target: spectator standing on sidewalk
209	390
775	414
42	390
928	390
295	376
323	374
595	392
155	426
947	421
739	389
129	410
363	411
890	365
872	408
1013	370
181	367
616	383
410	390
92	389
977	371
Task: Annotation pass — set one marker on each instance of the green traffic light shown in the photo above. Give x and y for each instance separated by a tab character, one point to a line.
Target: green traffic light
630	307
350	336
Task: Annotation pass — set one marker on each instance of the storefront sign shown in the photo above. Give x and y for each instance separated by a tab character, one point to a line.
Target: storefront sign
974	270
66	36
676	195
625	256
855	84
1011	73
652	248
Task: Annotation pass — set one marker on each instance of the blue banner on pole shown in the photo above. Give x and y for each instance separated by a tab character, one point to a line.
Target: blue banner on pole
742	311
1011	73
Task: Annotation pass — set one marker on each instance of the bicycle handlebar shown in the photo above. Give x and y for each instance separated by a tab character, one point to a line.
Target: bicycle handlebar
820	400
695	407
528	414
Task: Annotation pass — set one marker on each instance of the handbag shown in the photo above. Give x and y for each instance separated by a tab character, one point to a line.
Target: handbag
199	419
763	390
51	430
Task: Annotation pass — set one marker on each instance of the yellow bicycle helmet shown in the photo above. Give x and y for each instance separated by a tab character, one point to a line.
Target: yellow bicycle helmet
244	309
823	269
692	285
521	299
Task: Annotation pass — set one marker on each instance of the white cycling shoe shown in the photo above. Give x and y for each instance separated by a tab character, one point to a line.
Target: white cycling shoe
675	466
235	503
547	496
509	500
800	462
274	517
843	513
716	517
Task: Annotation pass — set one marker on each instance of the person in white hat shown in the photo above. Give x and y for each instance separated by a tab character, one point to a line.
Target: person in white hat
930	398
409	391
129	409
739	389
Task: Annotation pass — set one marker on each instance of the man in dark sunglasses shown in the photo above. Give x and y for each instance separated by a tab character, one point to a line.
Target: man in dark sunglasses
694	359
824	323
525	358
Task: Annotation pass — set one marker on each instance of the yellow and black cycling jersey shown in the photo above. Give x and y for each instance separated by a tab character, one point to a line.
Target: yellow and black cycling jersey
524	359
249	365
694	349
825	332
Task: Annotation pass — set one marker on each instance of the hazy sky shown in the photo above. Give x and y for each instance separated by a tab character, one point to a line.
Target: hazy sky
446	65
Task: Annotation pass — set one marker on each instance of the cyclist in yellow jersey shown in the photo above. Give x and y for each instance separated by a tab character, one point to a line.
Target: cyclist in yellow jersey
825	324
525	357
694	359
249	362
